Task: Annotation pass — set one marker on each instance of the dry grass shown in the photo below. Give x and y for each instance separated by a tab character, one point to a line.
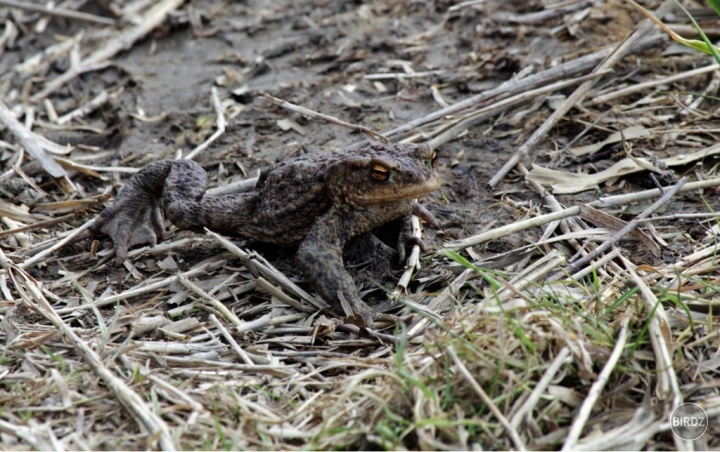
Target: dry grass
514	350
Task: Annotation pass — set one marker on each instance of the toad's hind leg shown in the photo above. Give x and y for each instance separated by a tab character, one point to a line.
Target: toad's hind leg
136	216
175	187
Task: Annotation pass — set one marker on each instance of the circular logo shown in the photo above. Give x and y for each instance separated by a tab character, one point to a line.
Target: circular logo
689	421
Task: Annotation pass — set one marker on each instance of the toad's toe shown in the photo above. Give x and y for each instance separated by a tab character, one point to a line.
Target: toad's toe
134	222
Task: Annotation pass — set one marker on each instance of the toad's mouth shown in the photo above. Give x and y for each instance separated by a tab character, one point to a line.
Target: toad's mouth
397	193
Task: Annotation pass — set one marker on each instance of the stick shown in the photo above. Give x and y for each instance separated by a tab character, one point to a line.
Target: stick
231	340
314	114
69	239
59	12
124	40
661	81
220	122
561	72
540	388
412	260
578	96
209	300
137	408
37	225
462	124
577	265
596	389
571	211
486	399
201	269
662	344
94	103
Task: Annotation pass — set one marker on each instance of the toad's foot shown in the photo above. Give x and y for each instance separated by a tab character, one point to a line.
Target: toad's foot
137	220
136	216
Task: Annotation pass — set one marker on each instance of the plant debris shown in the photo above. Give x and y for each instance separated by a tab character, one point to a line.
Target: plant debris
535	318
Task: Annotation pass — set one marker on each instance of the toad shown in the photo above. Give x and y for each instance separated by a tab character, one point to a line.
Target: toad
318	202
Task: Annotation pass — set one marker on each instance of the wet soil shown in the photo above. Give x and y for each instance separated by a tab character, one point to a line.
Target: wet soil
371	64
378	64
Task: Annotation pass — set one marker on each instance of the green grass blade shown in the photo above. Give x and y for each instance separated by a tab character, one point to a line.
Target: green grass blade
714	4
708	46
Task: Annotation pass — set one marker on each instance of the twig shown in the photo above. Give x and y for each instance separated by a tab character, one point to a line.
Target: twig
94	103
577	265
74	165
231	340
551	75
597	387
220	122
123	41
202	269
236	187
540	387
454	129
661	81
209	299
412	260
661	341
512	228
28	434
275	291
577	96
486	399
401	75
197	408
462	5
314	114
540	16
257	264
268	320
37	225
136	407
41	255
32	65
610	201
28	180
59	12
597	265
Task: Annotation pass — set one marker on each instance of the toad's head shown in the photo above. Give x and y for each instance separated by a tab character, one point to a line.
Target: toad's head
384	173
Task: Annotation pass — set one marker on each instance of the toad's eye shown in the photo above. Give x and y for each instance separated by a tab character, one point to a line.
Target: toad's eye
432	161
380	173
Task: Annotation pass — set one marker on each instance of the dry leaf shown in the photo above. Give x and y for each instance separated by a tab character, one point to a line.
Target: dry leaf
564	182
602	219
631	133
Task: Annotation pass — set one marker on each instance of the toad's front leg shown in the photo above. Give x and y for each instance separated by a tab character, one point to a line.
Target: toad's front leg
322	264
320	255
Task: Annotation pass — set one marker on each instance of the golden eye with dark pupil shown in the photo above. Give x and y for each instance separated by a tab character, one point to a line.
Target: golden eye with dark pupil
380	173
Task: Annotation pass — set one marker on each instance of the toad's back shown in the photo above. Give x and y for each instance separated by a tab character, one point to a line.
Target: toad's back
291	195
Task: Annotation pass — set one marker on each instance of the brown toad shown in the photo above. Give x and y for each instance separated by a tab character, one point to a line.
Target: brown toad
318	202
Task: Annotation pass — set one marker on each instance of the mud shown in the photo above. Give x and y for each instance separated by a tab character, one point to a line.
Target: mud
323	56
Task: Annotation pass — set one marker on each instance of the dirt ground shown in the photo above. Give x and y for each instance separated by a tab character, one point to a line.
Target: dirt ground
376	64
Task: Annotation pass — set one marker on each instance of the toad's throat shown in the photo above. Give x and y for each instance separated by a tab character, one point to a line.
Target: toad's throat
411	191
